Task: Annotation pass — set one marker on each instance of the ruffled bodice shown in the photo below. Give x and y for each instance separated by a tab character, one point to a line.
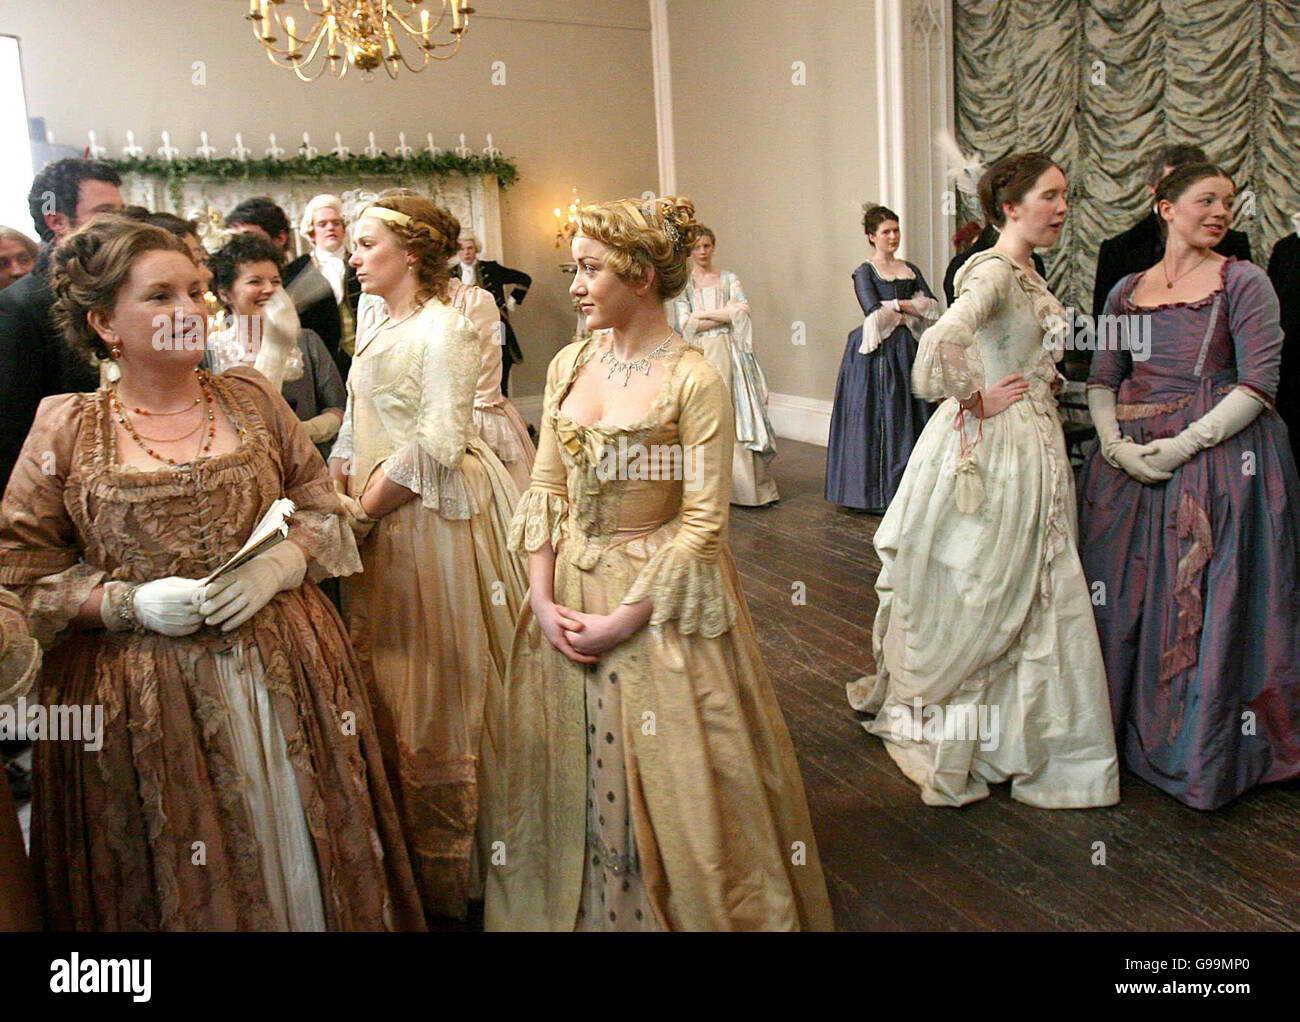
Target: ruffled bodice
121	523
659	483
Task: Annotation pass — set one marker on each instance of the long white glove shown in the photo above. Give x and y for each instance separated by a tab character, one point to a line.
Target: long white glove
169	606
238	595
1119	451
1238	409
280	329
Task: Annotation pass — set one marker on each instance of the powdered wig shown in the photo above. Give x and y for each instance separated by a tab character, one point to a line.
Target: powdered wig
641	233
324	201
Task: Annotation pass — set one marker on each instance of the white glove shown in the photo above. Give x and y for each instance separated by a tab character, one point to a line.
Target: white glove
1238	409
1119	451
323	427
280	329
169	606
238	595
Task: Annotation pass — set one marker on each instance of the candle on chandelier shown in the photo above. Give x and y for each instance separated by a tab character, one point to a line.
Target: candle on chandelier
455	14
266	22
288	27
332	25
424	26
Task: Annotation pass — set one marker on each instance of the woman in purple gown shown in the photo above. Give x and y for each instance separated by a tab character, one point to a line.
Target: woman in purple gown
1190	523
875	420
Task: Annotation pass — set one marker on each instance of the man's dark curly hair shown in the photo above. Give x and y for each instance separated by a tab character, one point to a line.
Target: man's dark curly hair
62	180
262	212
238	252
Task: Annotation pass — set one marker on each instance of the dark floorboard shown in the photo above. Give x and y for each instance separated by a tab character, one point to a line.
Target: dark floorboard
893	863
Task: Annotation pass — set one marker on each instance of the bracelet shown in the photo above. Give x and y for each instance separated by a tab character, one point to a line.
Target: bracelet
118	610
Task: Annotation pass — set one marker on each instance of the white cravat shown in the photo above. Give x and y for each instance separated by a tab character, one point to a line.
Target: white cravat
332	268
468	273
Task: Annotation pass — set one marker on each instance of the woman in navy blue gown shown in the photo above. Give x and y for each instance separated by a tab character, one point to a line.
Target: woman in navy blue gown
876	420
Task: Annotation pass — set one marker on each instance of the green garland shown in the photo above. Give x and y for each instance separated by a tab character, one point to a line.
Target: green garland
317	167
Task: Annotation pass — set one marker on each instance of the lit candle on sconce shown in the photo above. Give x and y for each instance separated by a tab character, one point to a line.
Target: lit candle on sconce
288	28
424	26
455	14
266	22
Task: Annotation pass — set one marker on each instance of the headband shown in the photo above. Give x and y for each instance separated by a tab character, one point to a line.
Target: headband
384	213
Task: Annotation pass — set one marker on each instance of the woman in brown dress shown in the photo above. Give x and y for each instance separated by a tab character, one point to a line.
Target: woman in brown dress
239	785
20	657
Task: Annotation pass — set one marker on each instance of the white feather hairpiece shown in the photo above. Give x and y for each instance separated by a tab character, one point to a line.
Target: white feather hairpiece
964	171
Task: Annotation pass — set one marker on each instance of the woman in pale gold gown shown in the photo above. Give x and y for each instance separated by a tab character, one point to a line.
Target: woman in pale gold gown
433	611
649	780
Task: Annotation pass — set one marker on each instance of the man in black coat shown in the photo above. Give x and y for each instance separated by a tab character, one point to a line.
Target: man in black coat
35	361
323	225
507	286
318	311
1284	272
1143	244
987	239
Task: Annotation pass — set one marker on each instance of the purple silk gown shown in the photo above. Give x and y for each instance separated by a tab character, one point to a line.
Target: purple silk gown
1199	617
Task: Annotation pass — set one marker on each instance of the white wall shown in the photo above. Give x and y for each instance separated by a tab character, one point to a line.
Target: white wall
577	107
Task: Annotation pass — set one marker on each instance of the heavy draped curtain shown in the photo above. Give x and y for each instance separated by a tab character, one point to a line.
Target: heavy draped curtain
1100	85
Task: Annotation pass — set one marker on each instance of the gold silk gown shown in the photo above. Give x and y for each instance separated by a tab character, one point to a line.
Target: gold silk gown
433	612
657	789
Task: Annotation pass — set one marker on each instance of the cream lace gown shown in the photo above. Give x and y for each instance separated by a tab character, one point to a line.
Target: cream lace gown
989	666
657	789
433	612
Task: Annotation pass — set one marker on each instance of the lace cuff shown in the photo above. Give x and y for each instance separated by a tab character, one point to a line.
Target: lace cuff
947	364
328	542
20	655
684	589
53	601
875	328
494	429
539	519
440	488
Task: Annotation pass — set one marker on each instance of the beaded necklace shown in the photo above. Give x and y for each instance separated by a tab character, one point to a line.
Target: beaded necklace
119	413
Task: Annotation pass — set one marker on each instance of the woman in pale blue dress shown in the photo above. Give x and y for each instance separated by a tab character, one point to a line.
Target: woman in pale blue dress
712	313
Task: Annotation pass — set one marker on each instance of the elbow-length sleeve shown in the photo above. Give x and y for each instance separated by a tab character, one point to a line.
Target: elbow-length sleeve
882	315
737	307
319	525
444	368
1255	323
947	361
481	310
343	445
544	507
925	302
684	578
1112	365
20	654
41	559
679	313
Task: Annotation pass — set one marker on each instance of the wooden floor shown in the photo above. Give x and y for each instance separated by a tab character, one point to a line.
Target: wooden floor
895	864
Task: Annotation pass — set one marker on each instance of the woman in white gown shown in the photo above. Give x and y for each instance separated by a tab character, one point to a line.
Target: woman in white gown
989	667
712	313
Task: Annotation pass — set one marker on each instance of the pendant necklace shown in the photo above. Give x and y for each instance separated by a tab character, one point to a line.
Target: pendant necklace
640	365
1170	283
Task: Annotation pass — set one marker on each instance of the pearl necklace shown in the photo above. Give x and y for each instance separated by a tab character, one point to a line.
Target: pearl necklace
640	365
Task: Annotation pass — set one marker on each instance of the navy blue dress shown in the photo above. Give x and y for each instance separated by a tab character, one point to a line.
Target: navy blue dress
876	420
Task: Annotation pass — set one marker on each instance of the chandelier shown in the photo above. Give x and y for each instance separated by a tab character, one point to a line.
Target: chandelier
333	35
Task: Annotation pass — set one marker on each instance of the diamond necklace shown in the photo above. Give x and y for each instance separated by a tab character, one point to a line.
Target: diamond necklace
640	365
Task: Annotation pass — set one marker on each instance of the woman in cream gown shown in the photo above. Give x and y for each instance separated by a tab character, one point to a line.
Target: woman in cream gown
988	663
712	313
433	611
497	420
650	782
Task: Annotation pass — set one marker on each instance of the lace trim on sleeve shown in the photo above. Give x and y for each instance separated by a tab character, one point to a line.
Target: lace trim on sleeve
539	519
947	364
53	601
441	489
328	542
685	589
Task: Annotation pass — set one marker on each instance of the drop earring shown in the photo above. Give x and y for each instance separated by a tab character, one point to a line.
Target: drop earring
113	371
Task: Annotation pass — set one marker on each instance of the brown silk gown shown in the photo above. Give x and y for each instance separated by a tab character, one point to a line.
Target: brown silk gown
657	789
240	784
20	657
